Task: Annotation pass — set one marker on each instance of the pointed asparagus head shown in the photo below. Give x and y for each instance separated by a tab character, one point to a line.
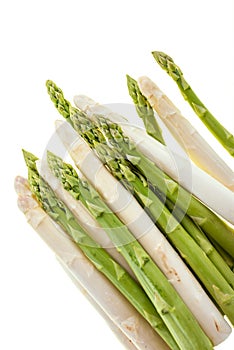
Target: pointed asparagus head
33	175
30	159
144	110
65	173
57	97
167	63
224	136
132	88
138	98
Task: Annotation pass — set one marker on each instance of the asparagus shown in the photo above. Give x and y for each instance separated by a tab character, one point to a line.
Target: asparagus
56	209
200	238
157	211
190	251
194	256
175	314
154	242
100	291
90	224
84	102
217	129
122	337
226	257
192	178
186	135
90	132
88	105
144	110
203	216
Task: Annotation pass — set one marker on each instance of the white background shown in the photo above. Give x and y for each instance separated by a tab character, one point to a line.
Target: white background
88	47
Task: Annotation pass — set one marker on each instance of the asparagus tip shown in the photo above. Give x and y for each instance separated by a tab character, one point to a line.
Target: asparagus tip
55	162
57	97
132	88
130	79
162	58
50	154
48	83
167	63
30	159
52	158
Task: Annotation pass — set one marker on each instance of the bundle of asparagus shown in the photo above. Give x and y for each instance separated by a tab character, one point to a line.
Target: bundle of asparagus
128	224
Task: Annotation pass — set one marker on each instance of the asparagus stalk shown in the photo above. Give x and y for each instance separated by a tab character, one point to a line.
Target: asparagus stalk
191	252
200	238
127	245
202	215
120	313
85	103
88	105
176	234
222	135
139	223
226	257
192	178
83	216
171	228
57	210
124	340
186	135
144	110
91	133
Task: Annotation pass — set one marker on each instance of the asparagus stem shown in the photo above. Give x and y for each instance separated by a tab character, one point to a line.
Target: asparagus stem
60	213
226	257
217	129
99	290
200	238
142	106
217	285
197	148
189	250
144	110
149	236
168	303
204	217
204	187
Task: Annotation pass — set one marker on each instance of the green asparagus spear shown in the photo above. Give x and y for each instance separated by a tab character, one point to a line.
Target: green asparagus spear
198	235
192	253
168	303
203	216
193	229
60	213
217	129
144	110
195	256
217	255
226	257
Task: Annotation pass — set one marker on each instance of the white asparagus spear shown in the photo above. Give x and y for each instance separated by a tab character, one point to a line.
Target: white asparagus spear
91	107
139	223
83	216
116	330
120	312
191	177
186	135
